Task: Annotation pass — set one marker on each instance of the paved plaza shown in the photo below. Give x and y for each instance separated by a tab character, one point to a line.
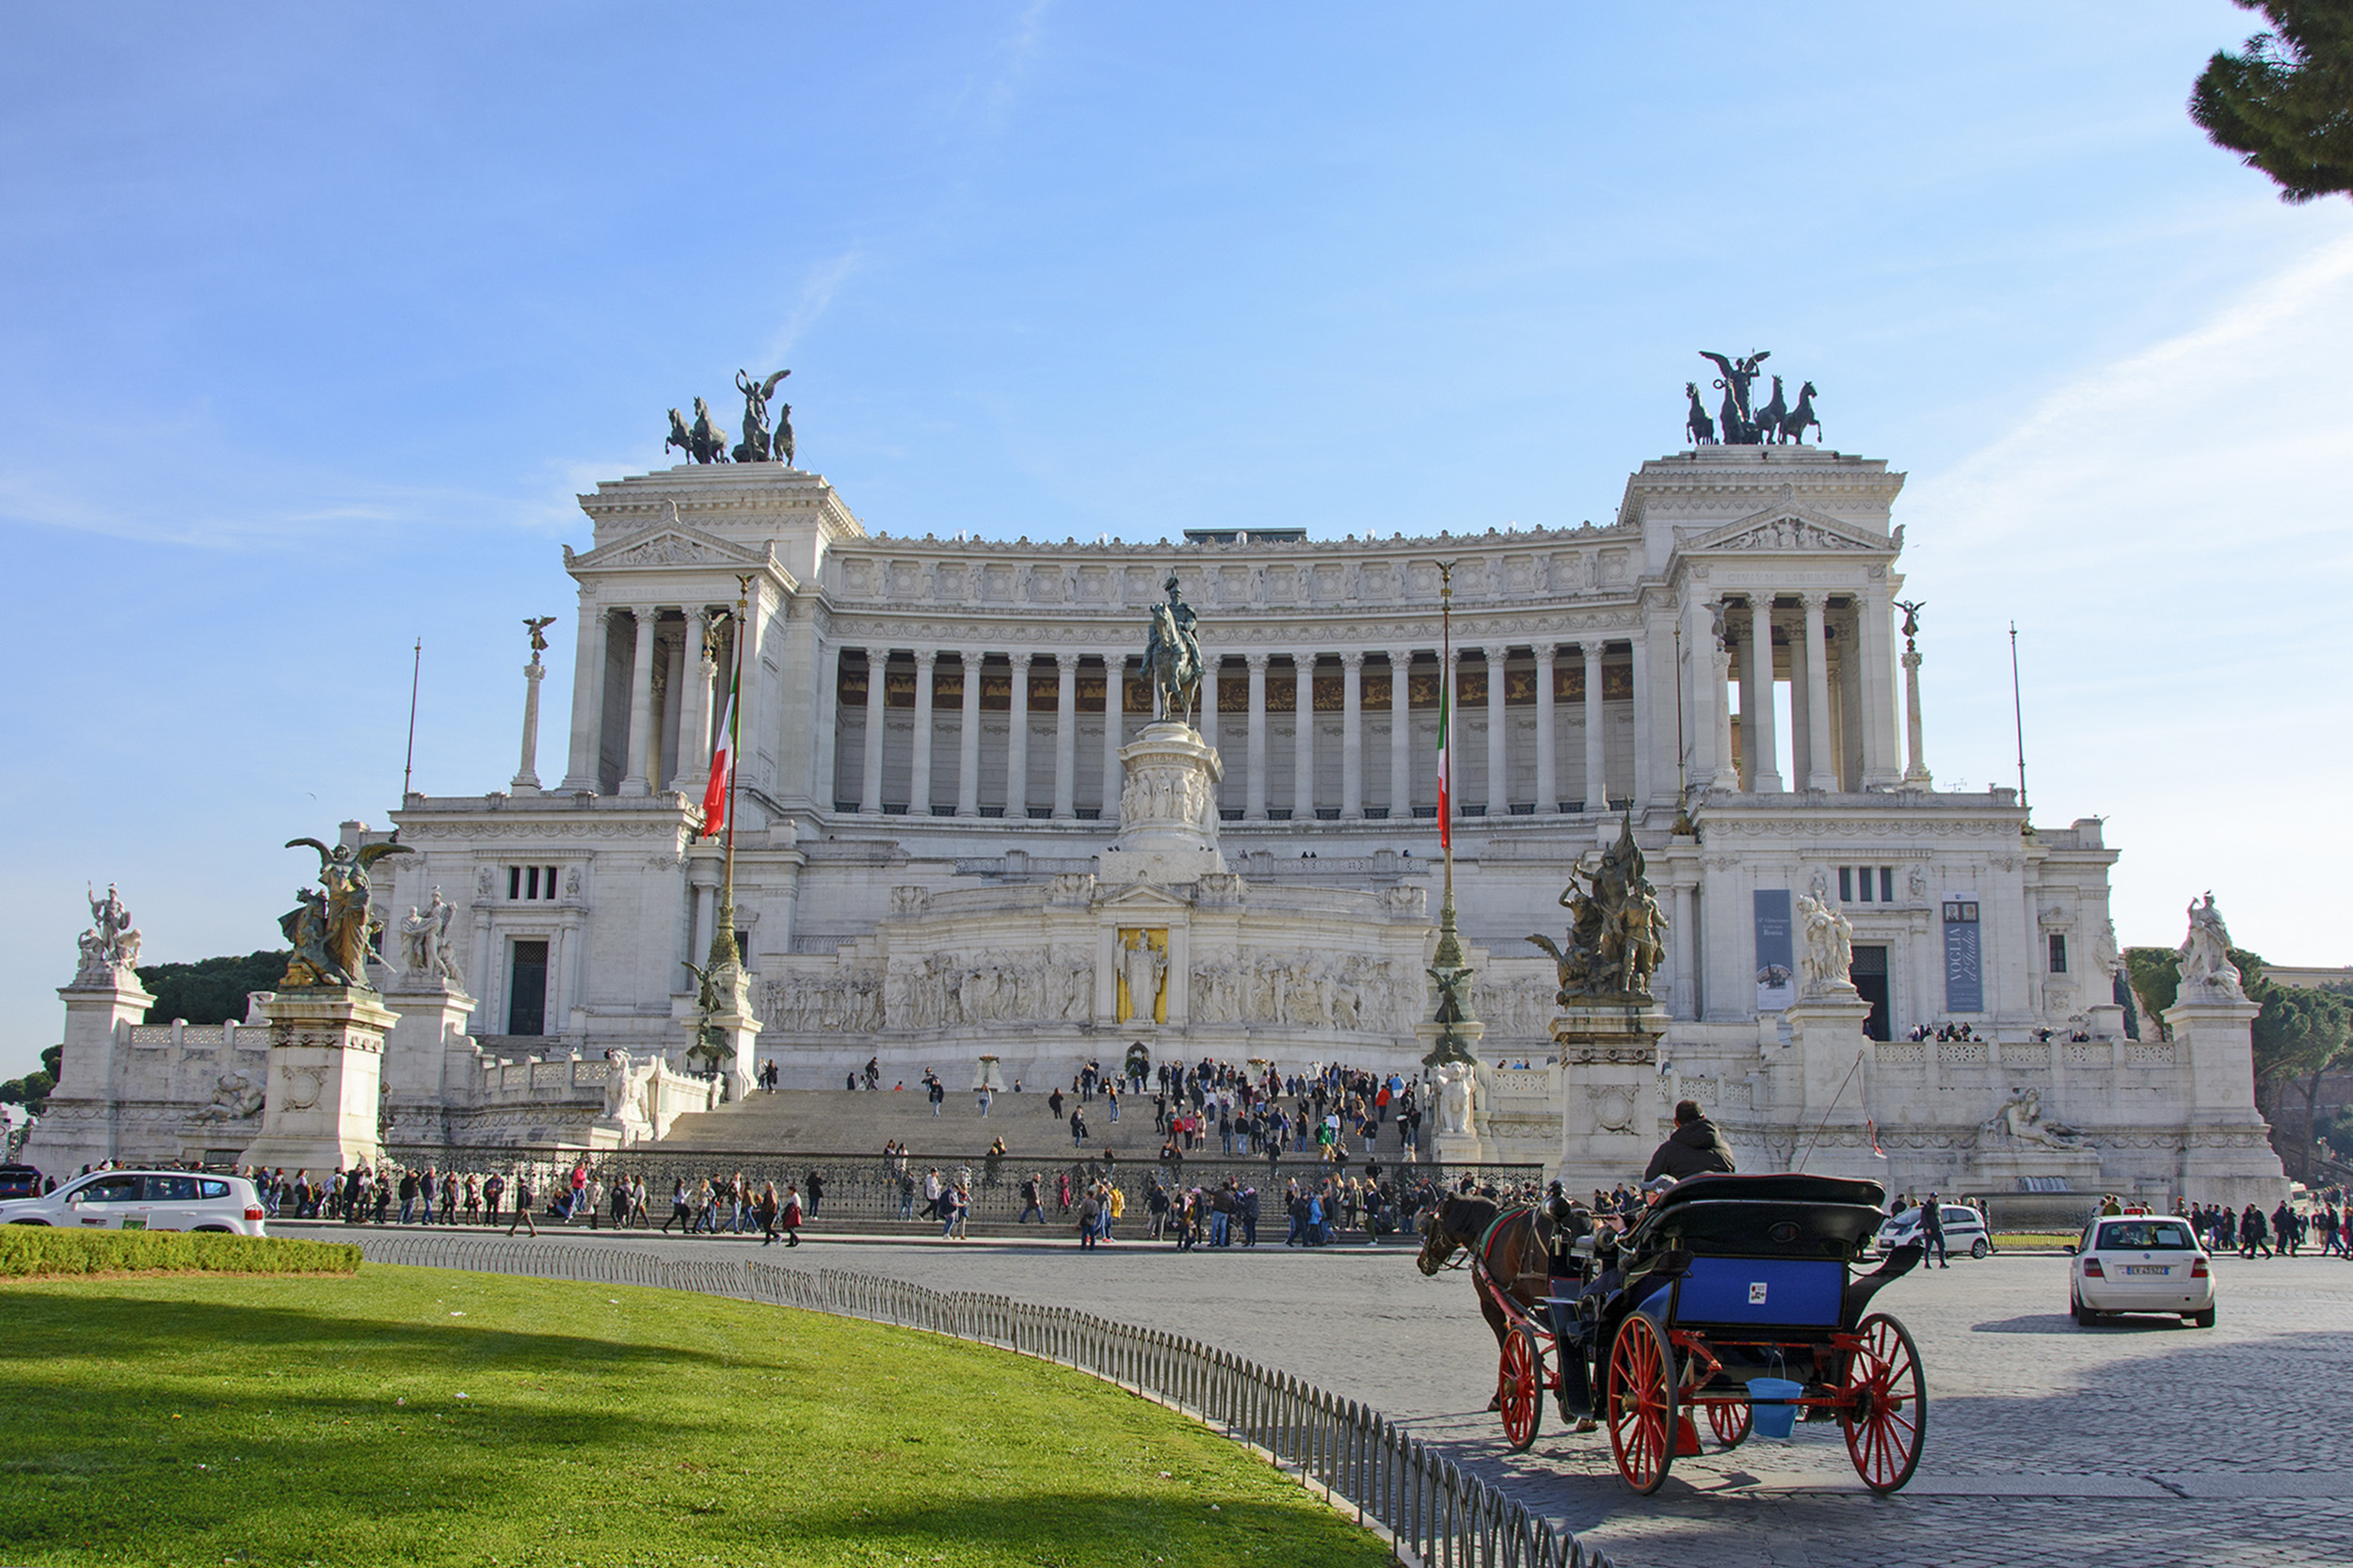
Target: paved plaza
2143	1443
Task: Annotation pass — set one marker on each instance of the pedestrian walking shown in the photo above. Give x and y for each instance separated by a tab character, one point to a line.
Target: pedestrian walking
789	1216
522	1204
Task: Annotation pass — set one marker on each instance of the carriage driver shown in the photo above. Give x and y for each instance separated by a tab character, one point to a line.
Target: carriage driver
1693	1148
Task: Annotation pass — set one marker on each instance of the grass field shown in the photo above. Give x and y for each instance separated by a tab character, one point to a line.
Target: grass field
411	1415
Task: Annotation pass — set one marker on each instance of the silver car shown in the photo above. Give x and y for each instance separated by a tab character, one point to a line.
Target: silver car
144	1200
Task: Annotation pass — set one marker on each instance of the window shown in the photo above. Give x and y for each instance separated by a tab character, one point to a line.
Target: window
213	1189
1887	884
2059	953
1845	885
2146	1236
530	883
170	1189
110	1189
1957	1216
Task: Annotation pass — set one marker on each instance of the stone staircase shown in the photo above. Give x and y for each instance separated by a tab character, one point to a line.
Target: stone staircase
836	1121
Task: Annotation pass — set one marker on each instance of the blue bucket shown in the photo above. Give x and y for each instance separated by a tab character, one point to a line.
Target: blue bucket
1769	1404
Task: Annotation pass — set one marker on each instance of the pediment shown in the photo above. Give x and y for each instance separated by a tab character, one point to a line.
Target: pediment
664	545
1788	528
1144	897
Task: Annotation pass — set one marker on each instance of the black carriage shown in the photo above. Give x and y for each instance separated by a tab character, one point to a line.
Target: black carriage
1726	1281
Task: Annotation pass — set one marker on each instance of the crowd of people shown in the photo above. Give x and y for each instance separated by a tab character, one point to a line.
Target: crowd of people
2285	1232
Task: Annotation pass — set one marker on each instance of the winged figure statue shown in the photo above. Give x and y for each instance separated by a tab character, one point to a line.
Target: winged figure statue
331	929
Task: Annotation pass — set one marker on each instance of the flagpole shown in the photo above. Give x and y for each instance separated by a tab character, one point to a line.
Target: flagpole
1449	953
723	948
409	763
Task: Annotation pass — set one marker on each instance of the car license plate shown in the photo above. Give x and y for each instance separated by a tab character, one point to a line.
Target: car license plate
2148	1269
133	1222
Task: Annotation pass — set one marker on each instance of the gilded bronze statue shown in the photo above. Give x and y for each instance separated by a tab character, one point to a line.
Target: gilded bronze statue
331	929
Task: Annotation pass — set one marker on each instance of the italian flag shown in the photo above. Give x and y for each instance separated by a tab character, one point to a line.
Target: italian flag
722	768
1446	811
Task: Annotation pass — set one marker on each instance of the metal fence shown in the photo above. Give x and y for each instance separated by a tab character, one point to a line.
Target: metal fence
862	1187
1434	1515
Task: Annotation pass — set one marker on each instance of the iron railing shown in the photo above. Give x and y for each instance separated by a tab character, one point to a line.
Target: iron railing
1434	1515
863	1187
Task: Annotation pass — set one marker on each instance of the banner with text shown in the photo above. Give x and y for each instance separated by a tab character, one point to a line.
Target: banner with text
1964	955
1776	957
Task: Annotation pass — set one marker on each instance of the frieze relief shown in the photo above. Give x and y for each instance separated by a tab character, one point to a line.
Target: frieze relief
1302	990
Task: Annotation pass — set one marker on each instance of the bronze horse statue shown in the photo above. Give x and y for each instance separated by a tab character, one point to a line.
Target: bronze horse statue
702	442
1509	1244
1793	427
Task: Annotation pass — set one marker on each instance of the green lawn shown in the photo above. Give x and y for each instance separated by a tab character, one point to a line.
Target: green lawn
421	1415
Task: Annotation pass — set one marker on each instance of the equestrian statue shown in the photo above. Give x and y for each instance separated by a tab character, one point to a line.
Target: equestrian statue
1171	658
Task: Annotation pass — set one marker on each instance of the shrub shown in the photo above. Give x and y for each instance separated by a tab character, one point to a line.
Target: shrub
41	1250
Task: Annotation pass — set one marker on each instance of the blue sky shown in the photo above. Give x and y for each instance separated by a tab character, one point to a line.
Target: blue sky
313	320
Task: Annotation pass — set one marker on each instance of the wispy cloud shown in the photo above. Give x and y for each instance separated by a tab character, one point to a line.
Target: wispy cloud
823	281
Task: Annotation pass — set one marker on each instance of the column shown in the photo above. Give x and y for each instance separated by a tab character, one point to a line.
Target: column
1916	769
1498	736
1822	769
1067	738
1756	698
870	788
702	874
1352	735
1853	756
968	740
669	675
1547	761
1017	743
1874	623
1114	711
1685	994
640	704
920	758
580	770
1645	722
527	776
1303	738
1596	760
694	724
1400	734
1206	714
1452	675
1720	673
1253	807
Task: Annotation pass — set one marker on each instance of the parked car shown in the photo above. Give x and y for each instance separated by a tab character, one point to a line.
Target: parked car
19	1181
1964	1230
144	1200
2141	1263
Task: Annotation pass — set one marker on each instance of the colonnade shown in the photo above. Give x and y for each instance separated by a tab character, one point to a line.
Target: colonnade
663	736
1246	791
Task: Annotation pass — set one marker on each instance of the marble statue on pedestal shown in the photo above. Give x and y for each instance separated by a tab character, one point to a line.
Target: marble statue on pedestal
424	948
1828	958
2020	1119
2205	953
110	947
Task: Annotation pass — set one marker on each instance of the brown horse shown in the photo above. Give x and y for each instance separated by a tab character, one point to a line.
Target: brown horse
1511	1253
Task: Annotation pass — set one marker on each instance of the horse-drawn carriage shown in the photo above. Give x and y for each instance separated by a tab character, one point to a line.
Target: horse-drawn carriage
1732	1295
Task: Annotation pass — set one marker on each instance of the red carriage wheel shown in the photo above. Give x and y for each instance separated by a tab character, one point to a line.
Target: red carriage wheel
1885	1406
1523	1387
1732	1421
1641	1404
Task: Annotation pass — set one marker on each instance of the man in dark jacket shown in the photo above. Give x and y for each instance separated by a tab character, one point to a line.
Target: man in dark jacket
1693	1148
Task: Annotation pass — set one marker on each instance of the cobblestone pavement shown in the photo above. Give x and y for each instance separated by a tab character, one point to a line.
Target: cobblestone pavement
2149	1443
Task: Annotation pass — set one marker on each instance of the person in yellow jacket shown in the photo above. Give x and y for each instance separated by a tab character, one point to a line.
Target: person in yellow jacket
1114	1204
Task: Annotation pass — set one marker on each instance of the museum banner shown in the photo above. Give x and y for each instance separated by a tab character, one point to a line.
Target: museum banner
1964	955
1776	958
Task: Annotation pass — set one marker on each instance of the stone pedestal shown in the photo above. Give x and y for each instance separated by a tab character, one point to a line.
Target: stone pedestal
430	1063
2227	1157
2007	1169
2105	1020
326	1069
1818	1085
738	1029
1609	1088
79	1128
1168	820
1469	1144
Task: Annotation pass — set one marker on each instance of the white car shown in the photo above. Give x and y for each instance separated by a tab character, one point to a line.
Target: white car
2141	1263
144	1200
1964	1230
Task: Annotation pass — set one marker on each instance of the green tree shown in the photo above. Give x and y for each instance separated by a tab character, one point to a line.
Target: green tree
32	1090
2154	975
211	990
2286	102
